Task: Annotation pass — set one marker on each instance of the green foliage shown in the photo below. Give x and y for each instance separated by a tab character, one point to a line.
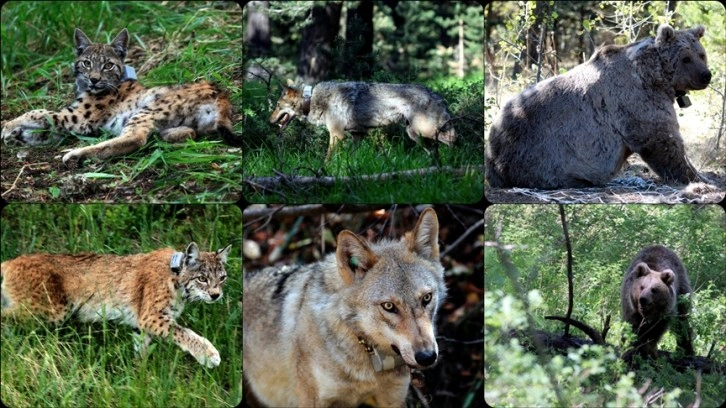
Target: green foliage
604	240
80	364
300	150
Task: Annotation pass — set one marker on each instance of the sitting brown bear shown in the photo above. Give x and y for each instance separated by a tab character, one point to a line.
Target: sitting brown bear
648	297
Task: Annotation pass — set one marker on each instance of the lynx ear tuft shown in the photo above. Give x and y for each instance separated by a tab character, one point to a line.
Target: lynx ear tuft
222	253
81	41
191	256
121	43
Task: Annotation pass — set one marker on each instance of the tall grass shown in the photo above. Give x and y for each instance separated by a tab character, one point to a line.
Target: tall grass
83	364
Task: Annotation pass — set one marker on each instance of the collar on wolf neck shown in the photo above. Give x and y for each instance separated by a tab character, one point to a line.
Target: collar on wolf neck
380	364
175	264
307	94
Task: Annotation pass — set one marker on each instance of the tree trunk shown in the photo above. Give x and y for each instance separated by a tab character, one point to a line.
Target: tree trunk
316	48
257	34
359	42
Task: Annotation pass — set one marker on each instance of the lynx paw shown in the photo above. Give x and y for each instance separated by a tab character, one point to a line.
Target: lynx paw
31	132
210	356
73	158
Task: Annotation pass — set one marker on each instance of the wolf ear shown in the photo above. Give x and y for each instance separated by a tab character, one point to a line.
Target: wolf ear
121	43
222	253
81	40
424	239
191	258
354	256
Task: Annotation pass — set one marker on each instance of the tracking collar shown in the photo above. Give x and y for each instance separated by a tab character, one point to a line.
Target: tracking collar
683	100
176	262
307	95
129	73
381	364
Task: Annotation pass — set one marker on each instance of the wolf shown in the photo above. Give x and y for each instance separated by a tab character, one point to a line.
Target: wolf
348	329
358	106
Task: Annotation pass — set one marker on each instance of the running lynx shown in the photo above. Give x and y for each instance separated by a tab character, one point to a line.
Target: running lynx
144	291
107	99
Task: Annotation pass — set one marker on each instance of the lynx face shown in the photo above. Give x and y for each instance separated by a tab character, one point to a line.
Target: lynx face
99	67
203	275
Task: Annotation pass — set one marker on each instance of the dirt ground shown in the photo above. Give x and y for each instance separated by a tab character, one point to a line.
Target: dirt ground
636	184
38	175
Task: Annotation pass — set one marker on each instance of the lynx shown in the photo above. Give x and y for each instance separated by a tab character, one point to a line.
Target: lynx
107	99
144	291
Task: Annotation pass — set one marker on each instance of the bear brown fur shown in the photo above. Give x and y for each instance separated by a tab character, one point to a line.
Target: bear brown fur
648	297
577	129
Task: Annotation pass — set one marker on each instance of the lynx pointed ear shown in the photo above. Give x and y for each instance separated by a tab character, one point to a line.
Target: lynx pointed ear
191	255
354	256
424	239
222	253
121	43
81	41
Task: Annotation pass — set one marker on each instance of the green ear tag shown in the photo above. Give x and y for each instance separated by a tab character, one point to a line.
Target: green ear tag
354	262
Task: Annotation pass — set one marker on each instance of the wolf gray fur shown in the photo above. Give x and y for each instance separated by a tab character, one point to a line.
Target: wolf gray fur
346	330
577	129
358	106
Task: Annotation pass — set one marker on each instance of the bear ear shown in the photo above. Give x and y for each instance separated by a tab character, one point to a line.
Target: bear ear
665	34
667	276
641	269
698	31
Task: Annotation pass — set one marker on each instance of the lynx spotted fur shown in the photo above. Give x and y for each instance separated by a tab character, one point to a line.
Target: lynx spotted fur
139	290
105	99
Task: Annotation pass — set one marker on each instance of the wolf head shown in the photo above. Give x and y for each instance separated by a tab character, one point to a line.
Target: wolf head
290	104
393	290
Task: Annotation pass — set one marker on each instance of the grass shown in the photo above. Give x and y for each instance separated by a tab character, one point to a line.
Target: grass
83	364
174	43
300	150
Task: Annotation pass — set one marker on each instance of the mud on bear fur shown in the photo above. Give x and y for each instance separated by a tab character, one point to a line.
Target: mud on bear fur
648	297
577	129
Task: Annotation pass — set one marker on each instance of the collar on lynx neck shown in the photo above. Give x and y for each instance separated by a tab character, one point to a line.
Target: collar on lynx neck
683	100
175	264
129	73
307	94
380	364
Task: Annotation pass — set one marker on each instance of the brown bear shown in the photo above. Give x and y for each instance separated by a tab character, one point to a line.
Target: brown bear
648	297
577	129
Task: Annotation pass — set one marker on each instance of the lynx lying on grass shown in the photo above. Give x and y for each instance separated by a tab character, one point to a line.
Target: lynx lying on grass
107	99
145	291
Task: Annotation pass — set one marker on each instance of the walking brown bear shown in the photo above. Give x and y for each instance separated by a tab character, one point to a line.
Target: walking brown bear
648	297
577	129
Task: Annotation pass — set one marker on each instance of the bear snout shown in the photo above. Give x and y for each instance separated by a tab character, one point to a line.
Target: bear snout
705	77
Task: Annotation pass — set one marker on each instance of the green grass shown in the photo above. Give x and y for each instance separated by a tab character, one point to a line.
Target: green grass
180	42
301	148
83	364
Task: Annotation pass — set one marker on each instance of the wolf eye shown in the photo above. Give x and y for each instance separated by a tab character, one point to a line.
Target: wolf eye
389	307
426	298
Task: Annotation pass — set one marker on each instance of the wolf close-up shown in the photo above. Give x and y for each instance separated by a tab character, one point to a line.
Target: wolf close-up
346	330
357	106
108	97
